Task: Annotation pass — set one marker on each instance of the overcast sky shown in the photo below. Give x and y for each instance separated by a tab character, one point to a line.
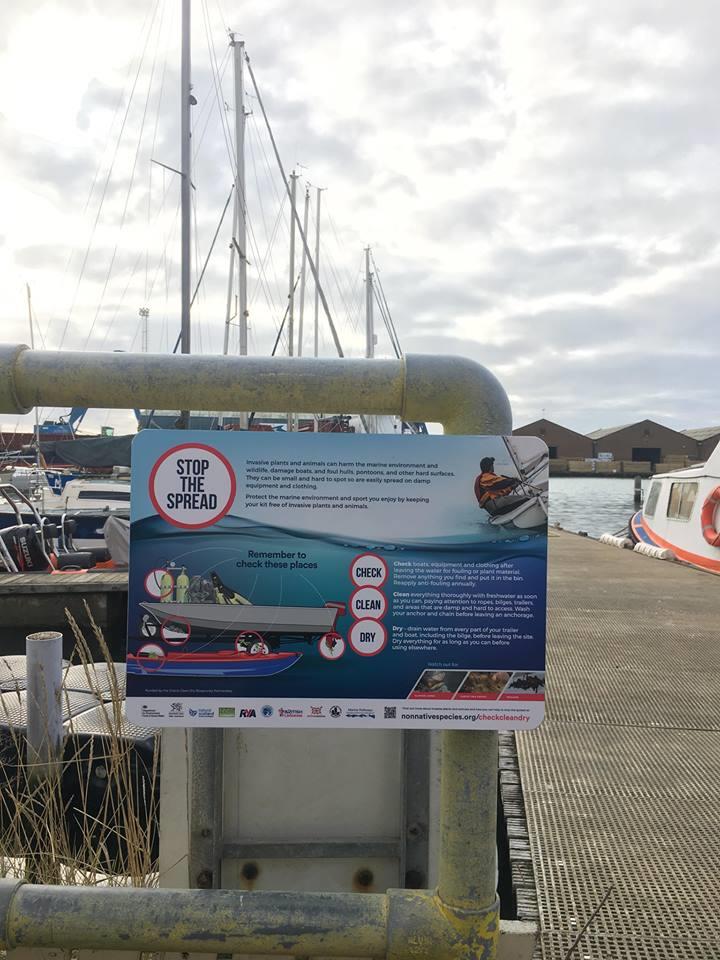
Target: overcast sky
539	183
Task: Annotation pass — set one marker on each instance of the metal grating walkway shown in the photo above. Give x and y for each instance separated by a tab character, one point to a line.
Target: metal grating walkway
622	782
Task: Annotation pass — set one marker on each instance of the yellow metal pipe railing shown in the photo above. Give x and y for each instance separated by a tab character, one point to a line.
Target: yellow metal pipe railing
461	919
198	921
456	392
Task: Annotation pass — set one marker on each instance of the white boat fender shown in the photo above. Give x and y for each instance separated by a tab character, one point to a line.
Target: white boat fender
625	543
660	553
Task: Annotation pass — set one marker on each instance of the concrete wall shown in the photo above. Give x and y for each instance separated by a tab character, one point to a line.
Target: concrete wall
567	443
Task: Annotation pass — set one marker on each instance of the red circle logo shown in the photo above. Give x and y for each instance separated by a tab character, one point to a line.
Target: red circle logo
367	637
368	570
192	486
368	602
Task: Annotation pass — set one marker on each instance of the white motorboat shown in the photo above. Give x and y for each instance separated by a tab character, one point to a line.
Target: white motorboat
87	502
680	513
216	618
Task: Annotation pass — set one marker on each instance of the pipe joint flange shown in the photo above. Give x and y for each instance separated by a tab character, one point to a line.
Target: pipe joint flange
9	400
458	392
8	889
423	927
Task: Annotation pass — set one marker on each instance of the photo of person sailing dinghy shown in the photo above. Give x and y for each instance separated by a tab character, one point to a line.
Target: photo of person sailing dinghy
521	500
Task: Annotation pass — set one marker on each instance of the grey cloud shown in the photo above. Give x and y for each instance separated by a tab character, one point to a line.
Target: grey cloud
427	296
389	180
482	211
98	96
651	357
473	152
99	262
421	97
490	355
590	268
43	163
674	321
578	391
627	135
579	394
42	256
299	139
569	329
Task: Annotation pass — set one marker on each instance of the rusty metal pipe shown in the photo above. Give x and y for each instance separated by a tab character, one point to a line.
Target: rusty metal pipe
192	921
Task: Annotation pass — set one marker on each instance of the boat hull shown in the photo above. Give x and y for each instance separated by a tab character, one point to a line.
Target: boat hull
641	532
529	514
222	664
89	526
220	617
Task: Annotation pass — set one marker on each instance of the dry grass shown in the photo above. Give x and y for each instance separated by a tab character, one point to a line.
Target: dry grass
96	821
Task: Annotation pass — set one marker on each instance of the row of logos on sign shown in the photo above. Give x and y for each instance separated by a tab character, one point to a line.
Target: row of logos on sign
179	710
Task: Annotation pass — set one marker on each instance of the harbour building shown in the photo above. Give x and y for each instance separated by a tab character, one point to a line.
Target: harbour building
645	441
563	443
707	439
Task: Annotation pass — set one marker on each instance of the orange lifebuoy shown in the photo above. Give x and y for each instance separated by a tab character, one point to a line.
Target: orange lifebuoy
707	518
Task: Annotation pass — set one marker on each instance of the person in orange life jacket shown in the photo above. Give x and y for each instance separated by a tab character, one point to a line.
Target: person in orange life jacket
490	485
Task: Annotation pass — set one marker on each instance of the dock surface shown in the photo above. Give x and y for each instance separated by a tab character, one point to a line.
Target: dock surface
621	783
37	601
103	581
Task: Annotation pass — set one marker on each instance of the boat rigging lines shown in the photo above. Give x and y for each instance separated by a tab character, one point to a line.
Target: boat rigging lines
136	180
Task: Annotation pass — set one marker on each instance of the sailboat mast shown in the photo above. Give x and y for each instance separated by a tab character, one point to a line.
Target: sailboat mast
241	221
317	271
37	412
30	319
185	205
303	273
231	286
369	320
185	162
291	295
144	314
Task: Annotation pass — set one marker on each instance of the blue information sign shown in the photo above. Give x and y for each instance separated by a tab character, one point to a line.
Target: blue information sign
337	580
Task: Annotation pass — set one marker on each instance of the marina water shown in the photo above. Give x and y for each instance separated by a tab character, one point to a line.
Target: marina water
596	505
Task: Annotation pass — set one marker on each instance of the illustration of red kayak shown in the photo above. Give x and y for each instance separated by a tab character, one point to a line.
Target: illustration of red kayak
208	663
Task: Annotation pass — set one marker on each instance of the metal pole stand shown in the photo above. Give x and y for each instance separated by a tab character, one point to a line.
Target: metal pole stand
461	919
43	743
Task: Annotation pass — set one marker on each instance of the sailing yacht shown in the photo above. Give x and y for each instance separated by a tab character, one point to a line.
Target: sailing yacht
527	506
